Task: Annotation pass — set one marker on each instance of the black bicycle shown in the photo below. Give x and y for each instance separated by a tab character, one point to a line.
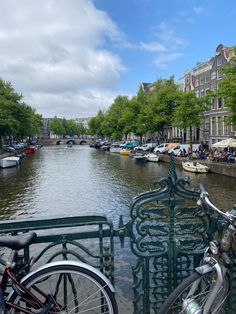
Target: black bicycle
56	287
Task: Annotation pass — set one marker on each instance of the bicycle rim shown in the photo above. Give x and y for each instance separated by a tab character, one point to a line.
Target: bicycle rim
180	301
66	289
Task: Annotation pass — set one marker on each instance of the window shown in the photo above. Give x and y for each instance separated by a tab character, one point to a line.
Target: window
197	93
196	82
219	60
226	126
213	126
220	126
220	103
213	85
213	75
202	80
213	101
202	93
219	74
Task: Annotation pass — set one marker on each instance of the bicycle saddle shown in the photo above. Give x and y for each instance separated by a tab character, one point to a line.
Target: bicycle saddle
18	242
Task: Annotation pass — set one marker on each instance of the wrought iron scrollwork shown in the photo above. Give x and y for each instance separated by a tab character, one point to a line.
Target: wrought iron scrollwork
169	233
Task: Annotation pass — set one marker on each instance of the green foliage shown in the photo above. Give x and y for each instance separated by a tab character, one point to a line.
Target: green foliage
16	118
62	127
227	87
160	104
96	124
81	129
56	126
189	111
146	112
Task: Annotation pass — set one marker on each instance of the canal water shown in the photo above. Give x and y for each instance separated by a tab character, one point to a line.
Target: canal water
80	179
61	180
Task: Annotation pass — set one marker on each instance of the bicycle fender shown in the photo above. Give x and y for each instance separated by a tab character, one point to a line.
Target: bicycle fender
73	263
204	269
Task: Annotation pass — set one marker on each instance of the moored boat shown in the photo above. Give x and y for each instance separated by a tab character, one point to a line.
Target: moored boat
125	151
195	167
11	161
140	158
152	157
29	150
115	148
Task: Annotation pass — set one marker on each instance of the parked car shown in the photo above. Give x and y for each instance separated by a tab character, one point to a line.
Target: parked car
169	147
160	148
131	144
176	150
8	148
146	147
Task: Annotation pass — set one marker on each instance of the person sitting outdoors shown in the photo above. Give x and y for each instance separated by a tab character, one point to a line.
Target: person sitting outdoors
231	157
210	156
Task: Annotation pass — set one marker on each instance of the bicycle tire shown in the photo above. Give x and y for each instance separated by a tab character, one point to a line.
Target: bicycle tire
174	303
74	288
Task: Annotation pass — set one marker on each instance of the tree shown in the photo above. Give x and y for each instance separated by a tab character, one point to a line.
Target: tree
17	119
189	111
116	118
96	124
227	87
70	127
160	105
81	129
56	126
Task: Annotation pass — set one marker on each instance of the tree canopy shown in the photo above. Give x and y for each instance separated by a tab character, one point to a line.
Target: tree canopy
188	112
227	86
145	112
17	119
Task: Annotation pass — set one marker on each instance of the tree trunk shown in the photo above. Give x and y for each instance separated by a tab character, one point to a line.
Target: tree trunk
191	139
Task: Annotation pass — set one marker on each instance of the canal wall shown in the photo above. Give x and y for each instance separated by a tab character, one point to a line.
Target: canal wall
223	168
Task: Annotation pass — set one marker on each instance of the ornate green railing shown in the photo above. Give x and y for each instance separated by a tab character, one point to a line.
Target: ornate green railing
68	238
167	230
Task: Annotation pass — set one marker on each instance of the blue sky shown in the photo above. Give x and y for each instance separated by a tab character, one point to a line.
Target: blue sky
169	37
70	58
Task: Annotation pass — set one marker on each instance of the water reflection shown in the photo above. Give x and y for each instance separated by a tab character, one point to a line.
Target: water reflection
79	180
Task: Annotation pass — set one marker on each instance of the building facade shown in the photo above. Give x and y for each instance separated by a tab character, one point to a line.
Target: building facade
203	77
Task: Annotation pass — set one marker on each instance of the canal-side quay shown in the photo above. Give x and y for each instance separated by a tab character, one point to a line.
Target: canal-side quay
222	168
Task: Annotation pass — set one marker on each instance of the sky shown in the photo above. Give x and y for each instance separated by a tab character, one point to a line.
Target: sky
71	58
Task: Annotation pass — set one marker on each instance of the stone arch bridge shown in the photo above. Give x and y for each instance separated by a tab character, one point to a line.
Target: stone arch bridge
66	141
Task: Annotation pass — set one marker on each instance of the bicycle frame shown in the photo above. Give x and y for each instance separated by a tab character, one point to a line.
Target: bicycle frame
8	274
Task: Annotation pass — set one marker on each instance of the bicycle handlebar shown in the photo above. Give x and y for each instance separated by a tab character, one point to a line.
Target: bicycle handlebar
204	198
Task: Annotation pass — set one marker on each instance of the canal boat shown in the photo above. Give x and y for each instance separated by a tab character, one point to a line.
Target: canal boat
29	149
11	161
194	167
115	148
152	157
125	151
139	157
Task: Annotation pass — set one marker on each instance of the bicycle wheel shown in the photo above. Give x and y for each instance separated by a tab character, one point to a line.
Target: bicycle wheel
181	301
65	288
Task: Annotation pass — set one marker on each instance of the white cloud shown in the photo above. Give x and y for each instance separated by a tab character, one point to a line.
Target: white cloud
153	47
162	60
53	52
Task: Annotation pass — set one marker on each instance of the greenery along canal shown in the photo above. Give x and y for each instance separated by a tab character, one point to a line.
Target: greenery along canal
62	181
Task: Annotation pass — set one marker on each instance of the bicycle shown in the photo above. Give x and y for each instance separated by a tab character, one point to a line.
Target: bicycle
57	287
206	289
